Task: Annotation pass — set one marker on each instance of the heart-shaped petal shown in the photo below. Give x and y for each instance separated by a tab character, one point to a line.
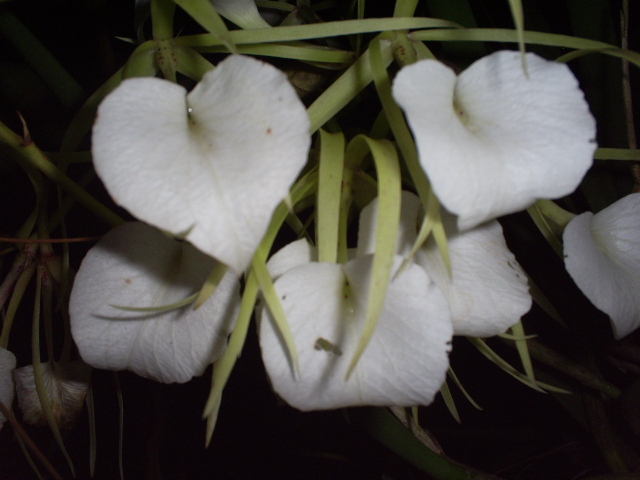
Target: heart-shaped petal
411	215
495	139
295	254
602	255
210	166
135	265
7	388
405	362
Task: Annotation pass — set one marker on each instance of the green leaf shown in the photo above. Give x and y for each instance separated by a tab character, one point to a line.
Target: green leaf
315	31
521	344
224	365
545	228
160	308
388	221
345	88
191	64
449	402
329	191
205	14
307	53
259	268
518	19
495	358
211	283
453	375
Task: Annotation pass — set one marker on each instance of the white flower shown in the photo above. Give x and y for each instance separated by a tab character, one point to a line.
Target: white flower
7	388
487	289
210	165
135	265
66	386
406	360
602	255
493	140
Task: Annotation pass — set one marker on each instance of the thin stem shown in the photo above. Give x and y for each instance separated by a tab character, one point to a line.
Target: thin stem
554	212
34	157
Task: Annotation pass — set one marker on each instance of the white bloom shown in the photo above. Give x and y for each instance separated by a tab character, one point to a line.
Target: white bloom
487	289
135	265
494	140
325	304
211	165
7	389
66	386
602	255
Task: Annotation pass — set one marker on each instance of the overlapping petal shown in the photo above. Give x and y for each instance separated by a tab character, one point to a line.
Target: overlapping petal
602	255
487	289
210	165
7	388
495	139
135	265
405	362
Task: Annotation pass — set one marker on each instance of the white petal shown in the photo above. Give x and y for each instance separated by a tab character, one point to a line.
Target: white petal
493	140
410	220
243	13
66	386
404	364
293	255
211	165
487	290
602	255
7	388
135	265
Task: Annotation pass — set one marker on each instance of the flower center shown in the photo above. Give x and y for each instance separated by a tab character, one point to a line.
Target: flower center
460	113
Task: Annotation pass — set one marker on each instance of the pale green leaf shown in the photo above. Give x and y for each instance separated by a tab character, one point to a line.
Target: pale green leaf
211	283
388	221
203	12
521	345
329	191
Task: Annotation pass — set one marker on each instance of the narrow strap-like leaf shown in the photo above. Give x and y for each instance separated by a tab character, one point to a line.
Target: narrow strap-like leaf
388	221
329	190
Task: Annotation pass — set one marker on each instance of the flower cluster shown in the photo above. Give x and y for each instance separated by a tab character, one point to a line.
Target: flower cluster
210	167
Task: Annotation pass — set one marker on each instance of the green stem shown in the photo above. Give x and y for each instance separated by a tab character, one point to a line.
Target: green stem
405	8
343	90
384	427
34	157
162	19
554	212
